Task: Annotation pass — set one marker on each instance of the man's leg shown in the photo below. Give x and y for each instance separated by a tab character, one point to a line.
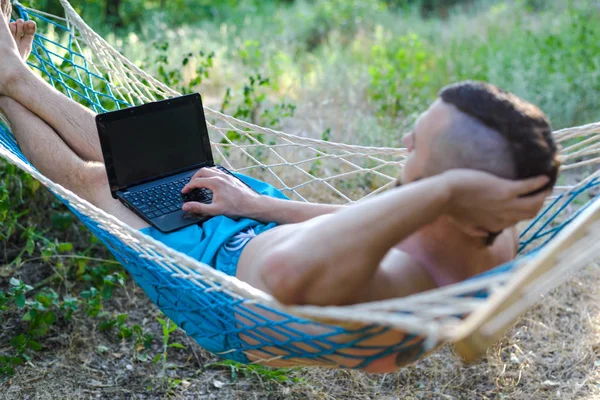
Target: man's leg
52	157
73	122
5	9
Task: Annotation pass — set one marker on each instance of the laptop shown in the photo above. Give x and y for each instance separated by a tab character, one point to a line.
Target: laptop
151	152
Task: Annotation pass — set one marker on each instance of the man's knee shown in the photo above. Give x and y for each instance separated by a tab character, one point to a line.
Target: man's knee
274	272
283	276
92	182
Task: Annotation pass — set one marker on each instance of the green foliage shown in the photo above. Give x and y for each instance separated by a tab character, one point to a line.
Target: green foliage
550	64
249	104
168	327
39	314
174	77
401	74
251	107
132	13
85	283
265	374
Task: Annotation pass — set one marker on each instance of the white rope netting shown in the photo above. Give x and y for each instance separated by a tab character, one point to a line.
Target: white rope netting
306	168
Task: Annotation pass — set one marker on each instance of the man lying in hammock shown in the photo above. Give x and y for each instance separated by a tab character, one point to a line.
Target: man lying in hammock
459	185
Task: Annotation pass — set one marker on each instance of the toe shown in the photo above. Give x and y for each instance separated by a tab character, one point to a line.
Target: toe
20	24
13	29
29	28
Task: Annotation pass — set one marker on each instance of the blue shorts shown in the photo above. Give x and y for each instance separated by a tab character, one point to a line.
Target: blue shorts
218	242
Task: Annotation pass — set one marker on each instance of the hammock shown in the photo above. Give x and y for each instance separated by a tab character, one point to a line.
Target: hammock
230	318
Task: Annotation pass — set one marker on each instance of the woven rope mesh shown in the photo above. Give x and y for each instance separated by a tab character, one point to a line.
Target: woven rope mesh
225	315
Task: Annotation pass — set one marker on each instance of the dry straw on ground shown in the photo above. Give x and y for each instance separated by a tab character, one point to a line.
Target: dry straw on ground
552	353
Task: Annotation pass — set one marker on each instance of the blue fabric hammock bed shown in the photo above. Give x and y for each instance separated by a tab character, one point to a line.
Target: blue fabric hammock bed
233	320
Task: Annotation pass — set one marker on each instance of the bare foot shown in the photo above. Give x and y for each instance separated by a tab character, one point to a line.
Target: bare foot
11	62
23	32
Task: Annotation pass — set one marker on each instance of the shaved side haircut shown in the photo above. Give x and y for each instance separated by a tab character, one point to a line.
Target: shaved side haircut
495	132
467	143
520	130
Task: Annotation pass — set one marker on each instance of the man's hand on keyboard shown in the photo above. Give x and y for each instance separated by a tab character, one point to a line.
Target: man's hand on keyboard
231	197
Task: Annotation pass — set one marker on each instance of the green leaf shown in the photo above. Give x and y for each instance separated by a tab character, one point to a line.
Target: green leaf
29	315
17	361
106	325
125	332
121	319
34	185
177	345
50	317
18	342
65	247
20	300
157	358
147	340
107	292
46	253
33	345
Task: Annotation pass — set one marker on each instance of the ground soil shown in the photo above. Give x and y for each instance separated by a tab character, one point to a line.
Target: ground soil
552	353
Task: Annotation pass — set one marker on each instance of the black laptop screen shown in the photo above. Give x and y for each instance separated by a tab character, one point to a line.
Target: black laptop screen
157	143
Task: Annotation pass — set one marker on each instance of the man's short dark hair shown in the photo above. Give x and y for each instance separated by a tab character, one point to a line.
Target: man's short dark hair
522	124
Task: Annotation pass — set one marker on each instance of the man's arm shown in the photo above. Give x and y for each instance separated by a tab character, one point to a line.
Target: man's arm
271	209
332	259
234	199
498	205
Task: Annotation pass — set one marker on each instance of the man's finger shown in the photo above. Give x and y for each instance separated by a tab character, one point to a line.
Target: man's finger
205	173
198	208
526	186
217	171
198	183
532	204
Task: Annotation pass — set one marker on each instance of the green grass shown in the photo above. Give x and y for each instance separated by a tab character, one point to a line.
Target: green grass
389	63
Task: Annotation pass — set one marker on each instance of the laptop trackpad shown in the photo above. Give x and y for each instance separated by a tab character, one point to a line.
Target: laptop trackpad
176	220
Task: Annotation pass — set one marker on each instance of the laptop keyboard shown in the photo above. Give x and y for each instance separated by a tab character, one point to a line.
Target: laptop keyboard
164	199
167	198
